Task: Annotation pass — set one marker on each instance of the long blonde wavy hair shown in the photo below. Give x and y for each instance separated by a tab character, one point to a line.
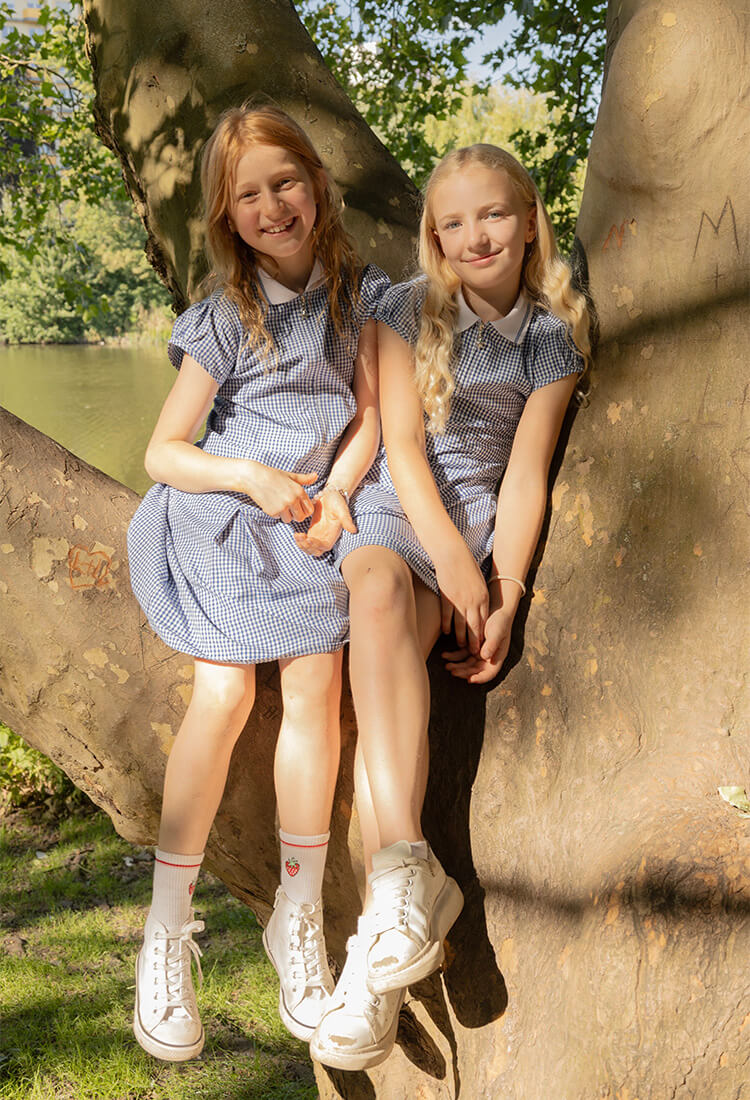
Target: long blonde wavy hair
545	279
233	264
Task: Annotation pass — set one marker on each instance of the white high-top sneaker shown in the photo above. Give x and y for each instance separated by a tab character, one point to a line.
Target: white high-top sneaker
166	1021
359	1029
294	943
414	906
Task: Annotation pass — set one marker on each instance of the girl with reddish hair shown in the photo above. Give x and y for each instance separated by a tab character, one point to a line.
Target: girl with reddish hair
282	357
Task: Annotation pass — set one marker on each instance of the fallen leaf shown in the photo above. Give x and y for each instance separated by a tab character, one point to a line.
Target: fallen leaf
736	797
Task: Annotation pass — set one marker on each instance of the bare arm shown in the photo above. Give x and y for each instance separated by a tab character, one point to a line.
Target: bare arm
172	458
520	512
459	577
355	454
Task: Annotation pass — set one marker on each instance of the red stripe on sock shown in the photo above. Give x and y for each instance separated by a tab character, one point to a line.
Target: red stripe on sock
304	845
184	866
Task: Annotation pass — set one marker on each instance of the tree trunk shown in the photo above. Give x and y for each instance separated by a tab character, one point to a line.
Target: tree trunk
602	952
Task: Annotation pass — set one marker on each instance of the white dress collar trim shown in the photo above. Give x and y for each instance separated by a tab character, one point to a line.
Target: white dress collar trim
512	326
277	294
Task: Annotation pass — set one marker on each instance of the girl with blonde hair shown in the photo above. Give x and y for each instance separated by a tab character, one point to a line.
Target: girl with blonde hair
479	357
282	357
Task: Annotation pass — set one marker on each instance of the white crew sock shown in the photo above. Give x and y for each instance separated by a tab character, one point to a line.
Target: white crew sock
174	881
303	860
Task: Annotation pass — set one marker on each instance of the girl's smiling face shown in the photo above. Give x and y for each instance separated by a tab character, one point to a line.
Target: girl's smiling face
273	207
483	226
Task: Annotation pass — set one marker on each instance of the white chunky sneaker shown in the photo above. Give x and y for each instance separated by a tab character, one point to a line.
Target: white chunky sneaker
166	1021
414	906
359	1029
294	943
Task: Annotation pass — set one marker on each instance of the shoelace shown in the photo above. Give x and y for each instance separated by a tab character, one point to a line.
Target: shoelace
391	898
175	958
307	956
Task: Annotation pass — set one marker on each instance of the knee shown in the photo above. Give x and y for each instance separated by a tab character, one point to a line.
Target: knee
225	695
381	596
313	687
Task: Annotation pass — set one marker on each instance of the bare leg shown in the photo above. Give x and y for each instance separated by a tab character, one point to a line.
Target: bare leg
197	768
307	753
390	687
368	824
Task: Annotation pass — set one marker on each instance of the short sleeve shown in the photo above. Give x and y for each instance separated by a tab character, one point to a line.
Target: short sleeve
211	333
555	356
401	309
373	285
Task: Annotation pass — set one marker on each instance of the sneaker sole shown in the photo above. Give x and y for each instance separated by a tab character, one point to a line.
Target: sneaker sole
164	1051
448	905
364	1057
294	1026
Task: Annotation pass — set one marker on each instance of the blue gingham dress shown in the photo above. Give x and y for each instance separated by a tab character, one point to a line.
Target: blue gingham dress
216	577
497	366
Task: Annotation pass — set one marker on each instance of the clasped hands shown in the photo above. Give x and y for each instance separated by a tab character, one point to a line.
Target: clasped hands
482	627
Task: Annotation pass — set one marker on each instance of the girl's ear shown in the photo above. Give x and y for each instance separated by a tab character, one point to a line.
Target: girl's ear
531	226
436	238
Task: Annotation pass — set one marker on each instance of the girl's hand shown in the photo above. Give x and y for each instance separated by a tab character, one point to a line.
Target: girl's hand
484	666
464	600
280	493
330	515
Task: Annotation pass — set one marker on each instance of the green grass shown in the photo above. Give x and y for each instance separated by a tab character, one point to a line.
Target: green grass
70	928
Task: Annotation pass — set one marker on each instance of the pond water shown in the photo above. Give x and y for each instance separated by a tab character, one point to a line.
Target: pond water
101	403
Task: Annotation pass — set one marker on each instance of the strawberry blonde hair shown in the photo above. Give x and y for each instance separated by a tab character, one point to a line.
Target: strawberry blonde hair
233	262
545	279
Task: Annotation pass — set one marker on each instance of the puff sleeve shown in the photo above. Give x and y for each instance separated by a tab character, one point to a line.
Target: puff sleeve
401	309
210	332
555	356
373	285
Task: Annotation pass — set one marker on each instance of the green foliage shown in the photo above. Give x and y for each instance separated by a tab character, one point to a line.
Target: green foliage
87	278
405	63
26	776
49	149
558	52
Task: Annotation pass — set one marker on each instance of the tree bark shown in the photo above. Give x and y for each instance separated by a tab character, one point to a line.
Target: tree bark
602	952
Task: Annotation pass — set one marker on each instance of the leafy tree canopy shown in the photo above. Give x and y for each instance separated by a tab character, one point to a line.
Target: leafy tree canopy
48	149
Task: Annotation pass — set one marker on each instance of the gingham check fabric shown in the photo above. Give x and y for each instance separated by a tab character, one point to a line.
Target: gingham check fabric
497	366
216	577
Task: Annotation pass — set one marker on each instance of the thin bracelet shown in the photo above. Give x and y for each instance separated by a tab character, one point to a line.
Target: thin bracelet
497	577
339	490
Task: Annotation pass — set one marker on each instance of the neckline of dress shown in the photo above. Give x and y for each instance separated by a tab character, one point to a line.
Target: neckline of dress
277	294
512	326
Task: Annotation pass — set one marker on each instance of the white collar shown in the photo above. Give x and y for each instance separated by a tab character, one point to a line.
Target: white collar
277	294
512	326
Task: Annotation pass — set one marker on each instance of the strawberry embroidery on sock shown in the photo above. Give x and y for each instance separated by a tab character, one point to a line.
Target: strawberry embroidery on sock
292	866
191	887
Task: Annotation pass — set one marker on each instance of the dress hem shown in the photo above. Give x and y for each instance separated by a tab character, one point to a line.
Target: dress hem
179	646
